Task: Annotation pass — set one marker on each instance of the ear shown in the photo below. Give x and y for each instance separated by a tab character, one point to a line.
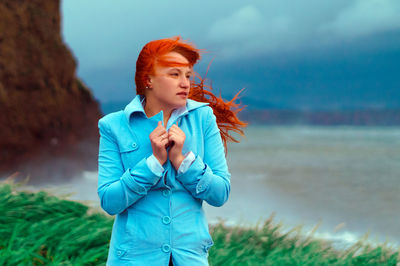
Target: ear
149	82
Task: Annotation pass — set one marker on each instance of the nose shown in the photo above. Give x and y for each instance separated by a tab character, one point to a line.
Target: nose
185	82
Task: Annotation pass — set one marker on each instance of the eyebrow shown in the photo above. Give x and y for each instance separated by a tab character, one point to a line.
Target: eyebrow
177	69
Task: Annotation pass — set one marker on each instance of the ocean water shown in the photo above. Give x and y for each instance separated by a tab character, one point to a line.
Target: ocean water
343	180
346	180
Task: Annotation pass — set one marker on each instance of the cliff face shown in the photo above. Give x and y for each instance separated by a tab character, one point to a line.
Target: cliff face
45	111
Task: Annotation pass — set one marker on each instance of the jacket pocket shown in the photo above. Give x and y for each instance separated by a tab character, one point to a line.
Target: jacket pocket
129	152
125	255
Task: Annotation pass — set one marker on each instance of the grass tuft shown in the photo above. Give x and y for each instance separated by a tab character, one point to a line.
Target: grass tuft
41	229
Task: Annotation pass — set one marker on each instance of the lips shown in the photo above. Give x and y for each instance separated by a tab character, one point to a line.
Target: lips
183	93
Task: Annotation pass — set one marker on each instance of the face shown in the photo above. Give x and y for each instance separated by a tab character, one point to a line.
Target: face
169	86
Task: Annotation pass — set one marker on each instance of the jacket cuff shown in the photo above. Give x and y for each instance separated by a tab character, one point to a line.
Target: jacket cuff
141	178
186	163
197	177
154	165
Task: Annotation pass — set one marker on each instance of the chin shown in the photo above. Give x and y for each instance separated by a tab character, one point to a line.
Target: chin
180	104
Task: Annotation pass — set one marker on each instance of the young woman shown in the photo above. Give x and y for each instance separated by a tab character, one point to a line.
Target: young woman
161	157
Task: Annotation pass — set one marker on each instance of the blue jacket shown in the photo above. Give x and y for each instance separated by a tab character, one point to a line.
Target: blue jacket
160	215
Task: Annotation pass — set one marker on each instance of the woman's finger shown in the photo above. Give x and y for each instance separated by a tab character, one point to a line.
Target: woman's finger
175	127
164	135
164	141
158	131
177	131
176	138
180	135
172	135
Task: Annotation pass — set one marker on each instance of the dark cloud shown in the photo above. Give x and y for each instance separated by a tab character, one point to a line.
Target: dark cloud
271	28
295	53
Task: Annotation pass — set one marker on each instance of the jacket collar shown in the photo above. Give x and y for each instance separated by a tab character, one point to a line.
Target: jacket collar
136	105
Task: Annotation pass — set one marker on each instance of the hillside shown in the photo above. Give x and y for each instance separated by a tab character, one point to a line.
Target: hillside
45	110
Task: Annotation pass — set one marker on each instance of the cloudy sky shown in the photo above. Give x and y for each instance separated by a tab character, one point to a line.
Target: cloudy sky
307	54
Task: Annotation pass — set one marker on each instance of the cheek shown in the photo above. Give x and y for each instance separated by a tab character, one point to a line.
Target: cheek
165	87
169	86
160	86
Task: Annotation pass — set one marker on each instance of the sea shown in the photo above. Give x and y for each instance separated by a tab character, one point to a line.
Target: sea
338	183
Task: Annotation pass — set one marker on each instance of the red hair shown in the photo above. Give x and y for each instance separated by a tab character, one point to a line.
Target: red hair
225	111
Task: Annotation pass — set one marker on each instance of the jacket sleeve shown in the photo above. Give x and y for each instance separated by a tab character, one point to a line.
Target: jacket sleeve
119	188
208	178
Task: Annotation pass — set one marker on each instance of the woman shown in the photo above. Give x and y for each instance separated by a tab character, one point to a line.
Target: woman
161	157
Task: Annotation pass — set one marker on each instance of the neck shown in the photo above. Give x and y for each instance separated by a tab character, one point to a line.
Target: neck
152	109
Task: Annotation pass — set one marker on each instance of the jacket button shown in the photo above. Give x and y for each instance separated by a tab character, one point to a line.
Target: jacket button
141	189
134	145
119	253
166	219
166	192
166	248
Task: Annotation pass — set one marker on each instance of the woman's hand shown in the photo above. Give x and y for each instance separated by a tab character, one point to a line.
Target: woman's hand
177	138
159	142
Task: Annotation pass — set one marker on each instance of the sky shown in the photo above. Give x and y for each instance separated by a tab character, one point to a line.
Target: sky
308	54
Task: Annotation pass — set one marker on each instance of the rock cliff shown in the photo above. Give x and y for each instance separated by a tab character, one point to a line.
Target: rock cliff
46	112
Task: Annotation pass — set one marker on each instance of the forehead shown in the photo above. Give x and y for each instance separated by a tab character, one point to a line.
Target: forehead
175	57
172	60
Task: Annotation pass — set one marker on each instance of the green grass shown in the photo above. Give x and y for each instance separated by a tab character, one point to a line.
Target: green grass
268	246
40	229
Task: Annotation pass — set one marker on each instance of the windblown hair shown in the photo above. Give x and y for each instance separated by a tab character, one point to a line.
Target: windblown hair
153	53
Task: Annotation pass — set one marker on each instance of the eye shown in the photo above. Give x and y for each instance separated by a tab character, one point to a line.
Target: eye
174	74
